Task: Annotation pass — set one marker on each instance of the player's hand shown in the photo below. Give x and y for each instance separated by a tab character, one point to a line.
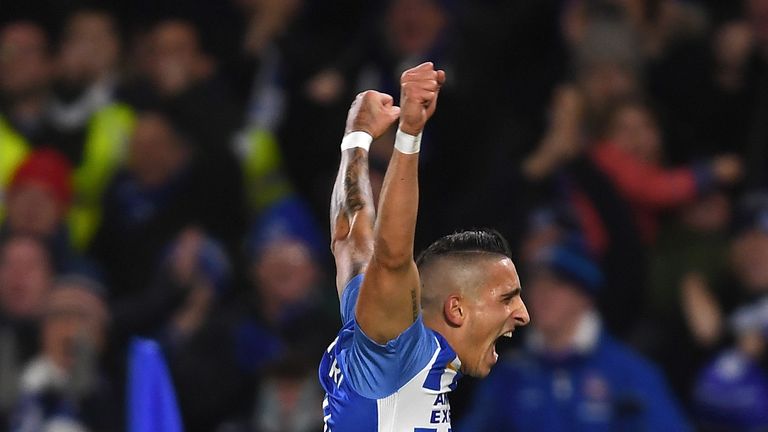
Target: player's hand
371	112
419	87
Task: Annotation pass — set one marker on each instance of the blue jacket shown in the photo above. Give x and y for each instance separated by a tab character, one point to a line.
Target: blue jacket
607	388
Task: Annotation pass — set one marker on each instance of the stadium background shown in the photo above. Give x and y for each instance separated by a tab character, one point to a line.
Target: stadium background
166	166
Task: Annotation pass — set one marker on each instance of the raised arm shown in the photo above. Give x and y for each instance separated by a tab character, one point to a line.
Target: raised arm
388	302
352	210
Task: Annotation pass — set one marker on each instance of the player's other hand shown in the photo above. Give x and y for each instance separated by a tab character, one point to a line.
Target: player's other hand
371	112
419	87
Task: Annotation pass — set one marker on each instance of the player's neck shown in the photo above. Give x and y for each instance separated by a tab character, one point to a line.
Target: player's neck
447	331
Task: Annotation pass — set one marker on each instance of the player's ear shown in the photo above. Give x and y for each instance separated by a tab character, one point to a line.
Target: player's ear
453	309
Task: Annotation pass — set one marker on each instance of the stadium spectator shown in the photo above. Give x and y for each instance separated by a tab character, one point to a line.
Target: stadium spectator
26	276
288	398
286	310
630	154
92	126
39	195
183	76
25	79
39	199
731	392
164	187
185	301
571	374
688	276
284	321
748	251
64	386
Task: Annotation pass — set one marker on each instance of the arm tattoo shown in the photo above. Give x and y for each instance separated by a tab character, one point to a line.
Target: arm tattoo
355	199
414	304
352	191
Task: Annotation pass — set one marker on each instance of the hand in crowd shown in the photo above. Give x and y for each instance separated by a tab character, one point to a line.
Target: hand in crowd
733	43
268	19
562	141
728	169
184	257
193	313
702	312
326	86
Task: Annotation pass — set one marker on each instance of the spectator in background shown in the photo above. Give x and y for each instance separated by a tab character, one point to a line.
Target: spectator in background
628	157
630	154
754	75
688	271
286	257
259	80
184	306
716	97
64	387
410	33
26	72
739	369
92	126
165	186
182	76
25	79
178	62
618	188
731	393
607	68
26	276
39	198
286	319
404	33
657	25
39	195
749	249
571	374
288	399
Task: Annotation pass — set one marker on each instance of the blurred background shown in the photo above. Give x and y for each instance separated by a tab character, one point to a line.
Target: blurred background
166	168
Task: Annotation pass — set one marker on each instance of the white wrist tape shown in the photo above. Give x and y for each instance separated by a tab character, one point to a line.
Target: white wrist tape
407	143
356	139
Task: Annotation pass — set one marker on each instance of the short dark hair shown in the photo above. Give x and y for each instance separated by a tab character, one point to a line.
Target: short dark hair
483	240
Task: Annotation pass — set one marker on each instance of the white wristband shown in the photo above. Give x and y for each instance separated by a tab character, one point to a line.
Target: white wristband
356	139
407	143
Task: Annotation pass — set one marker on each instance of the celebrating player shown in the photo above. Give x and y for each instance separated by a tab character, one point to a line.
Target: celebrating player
411	328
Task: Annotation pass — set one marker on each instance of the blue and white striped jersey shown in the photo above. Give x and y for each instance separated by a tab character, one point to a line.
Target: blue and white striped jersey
401	386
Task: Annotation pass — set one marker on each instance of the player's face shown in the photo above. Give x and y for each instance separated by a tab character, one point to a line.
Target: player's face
496	309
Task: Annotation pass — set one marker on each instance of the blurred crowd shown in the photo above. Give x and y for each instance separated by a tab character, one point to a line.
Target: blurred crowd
166	168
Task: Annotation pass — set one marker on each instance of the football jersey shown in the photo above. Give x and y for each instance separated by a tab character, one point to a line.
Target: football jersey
400	386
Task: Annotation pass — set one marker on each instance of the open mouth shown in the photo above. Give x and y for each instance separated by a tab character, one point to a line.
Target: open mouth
495	355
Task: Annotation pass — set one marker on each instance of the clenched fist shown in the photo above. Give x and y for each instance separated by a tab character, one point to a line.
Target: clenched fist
419	87
371	112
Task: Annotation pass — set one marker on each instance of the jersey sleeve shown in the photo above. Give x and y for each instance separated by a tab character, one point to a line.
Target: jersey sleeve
377	370
349	299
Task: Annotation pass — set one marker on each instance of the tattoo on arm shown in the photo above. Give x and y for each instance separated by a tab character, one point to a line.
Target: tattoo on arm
355	195
352	191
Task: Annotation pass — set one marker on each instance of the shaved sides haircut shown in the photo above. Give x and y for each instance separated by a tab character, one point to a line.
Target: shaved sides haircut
449	264
465	243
